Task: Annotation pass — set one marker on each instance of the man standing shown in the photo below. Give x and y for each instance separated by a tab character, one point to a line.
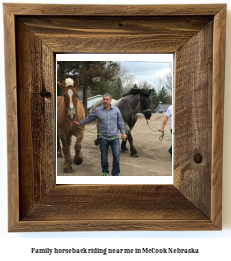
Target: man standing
168	114
109	121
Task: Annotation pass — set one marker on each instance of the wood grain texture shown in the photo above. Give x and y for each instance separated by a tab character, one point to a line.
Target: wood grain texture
195	34
115	10
35	81
12	117
115	34
27	185
115	207
114	225
113	202
218	115
193	103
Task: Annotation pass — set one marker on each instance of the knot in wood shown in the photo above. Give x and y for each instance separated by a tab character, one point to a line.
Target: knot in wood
198	158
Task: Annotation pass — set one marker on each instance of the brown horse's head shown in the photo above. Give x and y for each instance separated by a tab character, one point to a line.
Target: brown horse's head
70	95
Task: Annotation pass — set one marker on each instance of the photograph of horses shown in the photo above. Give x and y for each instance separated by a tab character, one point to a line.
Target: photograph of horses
141	90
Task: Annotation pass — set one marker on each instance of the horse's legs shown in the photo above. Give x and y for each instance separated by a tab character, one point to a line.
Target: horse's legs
66	152
132	148
59	151
78	159
69	151
124	146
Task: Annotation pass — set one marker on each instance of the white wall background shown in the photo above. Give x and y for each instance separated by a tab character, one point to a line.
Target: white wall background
210	243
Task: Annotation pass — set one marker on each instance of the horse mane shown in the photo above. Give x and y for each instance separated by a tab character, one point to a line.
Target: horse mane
134	91
69	82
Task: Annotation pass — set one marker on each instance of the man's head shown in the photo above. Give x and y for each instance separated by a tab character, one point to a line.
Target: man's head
107	100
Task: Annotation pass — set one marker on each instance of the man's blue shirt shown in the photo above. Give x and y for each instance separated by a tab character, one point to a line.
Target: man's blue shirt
109	121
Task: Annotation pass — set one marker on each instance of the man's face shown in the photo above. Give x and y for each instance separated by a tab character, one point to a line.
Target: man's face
106	102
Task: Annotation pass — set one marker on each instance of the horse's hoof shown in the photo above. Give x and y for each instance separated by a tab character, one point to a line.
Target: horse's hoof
59	155
68	170
78	161
135	156
124	151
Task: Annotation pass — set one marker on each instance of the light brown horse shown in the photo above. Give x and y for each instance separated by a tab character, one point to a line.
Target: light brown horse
69	109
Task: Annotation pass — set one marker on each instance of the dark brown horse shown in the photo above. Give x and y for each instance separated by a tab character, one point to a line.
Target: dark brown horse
69	109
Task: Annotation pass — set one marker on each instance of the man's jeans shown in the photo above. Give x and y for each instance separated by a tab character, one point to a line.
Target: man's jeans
115	146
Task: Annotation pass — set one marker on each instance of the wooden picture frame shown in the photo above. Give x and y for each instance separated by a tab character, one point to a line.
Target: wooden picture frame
33	34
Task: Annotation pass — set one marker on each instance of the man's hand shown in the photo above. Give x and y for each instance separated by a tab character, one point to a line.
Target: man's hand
76	123
124	136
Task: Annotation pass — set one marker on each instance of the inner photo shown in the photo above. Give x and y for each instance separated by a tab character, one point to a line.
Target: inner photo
115	118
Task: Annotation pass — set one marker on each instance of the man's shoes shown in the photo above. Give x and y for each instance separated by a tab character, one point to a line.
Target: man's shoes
105	174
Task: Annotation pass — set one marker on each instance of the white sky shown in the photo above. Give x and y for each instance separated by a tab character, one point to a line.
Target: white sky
149	71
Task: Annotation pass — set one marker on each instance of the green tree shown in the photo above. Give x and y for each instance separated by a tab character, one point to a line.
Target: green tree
102	87
164	96
154	99
94	76
117	89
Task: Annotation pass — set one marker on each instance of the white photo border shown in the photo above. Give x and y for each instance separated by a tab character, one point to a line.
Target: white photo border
72	180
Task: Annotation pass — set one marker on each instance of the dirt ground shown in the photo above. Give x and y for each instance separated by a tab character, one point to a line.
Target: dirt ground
154	158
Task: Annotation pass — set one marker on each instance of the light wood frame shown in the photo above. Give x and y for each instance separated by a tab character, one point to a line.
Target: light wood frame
33	34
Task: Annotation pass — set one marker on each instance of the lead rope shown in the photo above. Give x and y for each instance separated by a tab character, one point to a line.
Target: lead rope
162	134
116	137
160	138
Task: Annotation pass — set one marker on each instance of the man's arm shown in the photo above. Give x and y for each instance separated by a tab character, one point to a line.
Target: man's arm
88	119
164	123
